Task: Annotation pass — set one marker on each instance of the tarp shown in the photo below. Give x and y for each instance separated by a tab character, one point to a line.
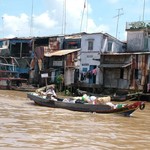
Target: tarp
14	41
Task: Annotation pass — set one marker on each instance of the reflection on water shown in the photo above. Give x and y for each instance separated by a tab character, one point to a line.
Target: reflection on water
28	126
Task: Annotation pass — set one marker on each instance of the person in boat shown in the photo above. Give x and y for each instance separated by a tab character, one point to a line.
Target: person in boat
50	93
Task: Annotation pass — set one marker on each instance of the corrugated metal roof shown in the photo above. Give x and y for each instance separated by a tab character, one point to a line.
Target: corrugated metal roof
73	37
115	65
129	53
60	52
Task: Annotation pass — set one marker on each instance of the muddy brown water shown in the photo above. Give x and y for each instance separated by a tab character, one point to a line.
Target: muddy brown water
26	126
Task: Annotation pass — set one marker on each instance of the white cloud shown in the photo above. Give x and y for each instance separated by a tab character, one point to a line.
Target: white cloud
49	22
20	25
92	27
11	36
74	11
14	24
44	21
113	1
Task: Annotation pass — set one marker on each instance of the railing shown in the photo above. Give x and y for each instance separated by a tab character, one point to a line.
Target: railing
138	25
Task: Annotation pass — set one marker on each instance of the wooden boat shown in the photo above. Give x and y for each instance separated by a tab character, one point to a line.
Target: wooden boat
126	109
10	82
18	84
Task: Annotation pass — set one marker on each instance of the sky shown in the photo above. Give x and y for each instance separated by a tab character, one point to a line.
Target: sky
25	18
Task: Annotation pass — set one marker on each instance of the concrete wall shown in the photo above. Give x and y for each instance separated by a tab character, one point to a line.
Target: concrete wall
149	44
97	41
69	76
91	57
112	78
135	41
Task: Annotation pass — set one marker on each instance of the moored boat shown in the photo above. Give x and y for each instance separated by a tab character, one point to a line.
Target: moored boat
10	79
74	105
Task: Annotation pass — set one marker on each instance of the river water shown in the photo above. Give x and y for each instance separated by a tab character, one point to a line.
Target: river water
26	126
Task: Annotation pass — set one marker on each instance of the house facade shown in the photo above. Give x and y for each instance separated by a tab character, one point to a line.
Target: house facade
61	63
92	47
17	51
138	40
39	63
93	60
115	68
129	68
60	58
138	36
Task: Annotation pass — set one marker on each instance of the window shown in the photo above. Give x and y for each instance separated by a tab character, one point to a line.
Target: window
136	73
121	73
145	43
90	45
5	43
109	46
84	69
72	45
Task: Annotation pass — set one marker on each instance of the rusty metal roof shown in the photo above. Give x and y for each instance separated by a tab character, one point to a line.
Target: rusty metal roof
60	52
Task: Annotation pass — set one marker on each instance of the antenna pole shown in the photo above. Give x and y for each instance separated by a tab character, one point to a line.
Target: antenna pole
64	18
87	17
82	15
118	16
3	26
143	10
31	25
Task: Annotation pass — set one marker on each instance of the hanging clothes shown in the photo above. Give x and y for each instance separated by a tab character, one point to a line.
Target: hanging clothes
94	71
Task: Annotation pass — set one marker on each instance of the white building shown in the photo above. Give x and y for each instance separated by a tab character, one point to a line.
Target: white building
92	46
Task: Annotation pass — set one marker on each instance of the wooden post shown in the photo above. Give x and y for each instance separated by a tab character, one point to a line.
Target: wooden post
45	75
46	83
